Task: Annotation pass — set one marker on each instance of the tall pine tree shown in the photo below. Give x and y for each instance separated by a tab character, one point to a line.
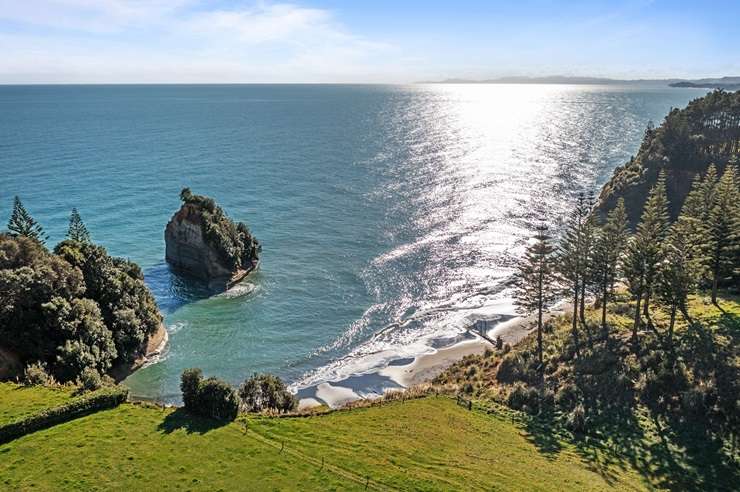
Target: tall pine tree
644	252
77	230
653	228
611	241
535	282
722	234
22	224
588	274
679	272
571	259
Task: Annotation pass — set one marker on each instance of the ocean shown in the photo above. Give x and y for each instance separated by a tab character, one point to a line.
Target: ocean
391	217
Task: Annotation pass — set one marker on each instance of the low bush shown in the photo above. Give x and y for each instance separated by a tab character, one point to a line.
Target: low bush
568	397
89	380
74	408
576	420
517	367
218	400
528	398
266	392
36	375
518	397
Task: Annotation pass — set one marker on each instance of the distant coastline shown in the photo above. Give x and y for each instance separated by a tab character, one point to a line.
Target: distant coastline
727	83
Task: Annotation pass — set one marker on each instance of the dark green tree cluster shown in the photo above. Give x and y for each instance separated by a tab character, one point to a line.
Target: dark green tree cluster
73	310
699	249
650	353
215	399
266	392
211	397
689	140
234	243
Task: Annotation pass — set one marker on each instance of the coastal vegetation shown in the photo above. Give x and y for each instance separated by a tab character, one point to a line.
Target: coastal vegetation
211	398
266	392
706	132
74	311
215	399
656	354
635	386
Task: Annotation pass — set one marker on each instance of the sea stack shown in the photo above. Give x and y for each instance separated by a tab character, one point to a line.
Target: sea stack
203	242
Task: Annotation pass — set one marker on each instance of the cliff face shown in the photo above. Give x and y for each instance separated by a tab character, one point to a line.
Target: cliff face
706	132
186	248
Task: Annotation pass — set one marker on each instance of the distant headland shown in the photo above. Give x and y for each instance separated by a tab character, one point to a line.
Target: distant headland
726	83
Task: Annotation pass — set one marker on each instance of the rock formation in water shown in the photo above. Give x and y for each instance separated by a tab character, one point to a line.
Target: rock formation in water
706	132
203	242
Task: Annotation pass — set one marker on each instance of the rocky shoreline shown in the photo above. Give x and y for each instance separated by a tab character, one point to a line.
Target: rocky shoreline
155	346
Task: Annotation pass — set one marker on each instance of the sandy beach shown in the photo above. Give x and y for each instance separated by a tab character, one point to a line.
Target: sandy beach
424	367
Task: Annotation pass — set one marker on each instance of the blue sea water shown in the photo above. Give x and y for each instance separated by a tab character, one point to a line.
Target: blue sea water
390	216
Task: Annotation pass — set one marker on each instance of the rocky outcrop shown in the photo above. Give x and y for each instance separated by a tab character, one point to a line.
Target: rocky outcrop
706	132
186	248
201	241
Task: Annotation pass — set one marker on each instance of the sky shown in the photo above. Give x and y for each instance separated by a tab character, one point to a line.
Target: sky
380	41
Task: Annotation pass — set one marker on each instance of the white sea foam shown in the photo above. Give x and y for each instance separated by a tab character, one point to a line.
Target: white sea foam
239	290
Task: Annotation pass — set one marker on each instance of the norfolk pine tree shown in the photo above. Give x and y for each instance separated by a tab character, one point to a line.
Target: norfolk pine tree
22	224
722	225
588	274
653	229
679	272
611	241
570	261
77	230
534	282
644	252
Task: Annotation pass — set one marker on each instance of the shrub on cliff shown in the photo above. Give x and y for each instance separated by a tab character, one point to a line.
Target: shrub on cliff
210	397
236	246
266	392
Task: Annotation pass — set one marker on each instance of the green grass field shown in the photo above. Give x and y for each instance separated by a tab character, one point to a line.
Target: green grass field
18	401
426	444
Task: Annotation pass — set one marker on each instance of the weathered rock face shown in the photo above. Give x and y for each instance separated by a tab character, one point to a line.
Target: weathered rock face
187	250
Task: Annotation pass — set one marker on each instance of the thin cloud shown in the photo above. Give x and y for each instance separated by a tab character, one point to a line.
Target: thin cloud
181	40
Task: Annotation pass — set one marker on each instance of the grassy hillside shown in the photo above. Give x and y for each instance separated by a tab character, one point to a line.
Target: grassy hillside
425	444
19	401
671	415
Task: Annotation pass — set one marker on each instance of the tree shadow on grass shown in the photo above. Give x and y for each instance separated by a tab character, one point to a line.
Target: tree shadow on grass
542	432
192	424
